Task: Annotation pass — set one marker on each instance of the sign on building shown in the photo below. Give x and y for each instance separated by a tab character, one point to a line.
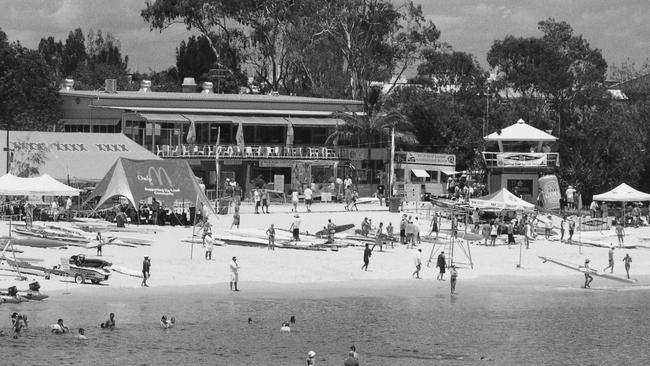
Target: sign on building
412	192
278	182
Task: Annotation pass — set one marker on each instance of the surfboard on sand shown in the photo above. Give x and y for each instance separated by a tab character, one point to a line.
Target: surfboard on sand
337	229
580	269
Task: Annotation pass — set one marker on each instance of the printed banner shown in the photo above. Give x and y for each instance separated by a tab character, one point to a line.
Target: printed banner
550	191
521	159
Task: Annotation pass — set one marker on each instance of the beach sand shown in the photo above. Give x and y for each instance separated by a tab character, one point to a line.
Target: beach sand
175	263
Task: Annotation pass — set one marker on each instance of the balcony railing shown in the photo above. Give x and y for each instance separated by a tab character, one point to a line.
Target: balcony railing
521	160
248	152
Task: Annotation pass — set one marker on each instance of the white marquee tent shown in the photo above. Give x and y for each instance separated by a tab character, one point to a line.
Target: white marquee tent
622	193
10	185
501	200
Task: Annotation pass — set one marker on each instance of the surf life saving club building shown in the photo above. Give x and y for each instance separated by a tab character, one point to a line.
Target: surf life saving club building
278	138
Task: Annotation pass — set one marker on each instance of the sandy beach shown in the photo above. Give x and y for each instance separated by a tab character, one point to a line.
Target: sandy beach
175	263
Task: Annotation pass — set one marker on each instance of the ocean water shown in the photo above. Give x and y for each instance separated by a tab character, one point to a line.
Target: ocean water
399	323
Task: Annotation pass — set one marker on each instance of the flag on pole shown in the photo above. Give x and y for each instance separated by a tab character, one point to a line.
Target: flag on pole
239	138
191	134
290	134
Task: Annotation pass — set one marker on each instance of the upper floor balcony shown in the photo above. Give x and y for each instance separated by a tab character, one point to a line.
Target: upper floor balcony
526	160
252	152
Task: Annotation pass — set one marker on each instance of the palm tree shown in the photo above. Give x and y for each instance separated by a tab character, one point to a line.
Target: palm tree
364	129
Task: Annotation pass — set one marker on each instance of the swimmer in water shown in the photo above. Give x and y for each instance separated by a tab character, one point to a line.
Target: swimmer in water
293	319
59	327
167	323
311	358
18	323
81	334
250	320
285	328
110	323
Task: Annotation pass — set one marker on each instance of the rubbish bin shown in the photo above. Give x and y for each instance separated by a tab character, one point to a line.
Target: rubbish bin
395	202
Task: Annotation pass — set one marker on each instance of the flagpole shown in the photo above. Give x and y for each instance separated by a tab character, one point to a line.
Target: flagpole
216	162
392	162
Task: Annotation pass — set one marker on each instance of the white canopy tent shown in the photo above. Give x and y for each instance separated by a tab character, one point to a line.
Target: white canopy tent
10	185
501	200
622	193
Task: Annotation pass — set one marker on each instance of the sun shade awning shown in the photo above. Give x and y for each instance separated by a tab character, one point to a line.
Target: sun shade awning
91	122
303	121
420	173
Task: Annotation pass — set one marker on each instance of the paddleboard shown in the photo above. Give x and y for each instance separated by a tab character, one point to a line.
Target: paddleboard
580	269
337	229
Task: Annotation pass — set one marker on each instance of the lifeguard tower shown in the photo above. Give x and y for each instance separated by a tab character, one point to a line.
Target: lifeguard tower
517	156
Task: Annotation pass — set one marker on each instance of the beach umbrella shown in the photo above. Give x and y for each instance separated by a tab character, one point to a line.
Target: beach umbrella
191	134
290	134
239	137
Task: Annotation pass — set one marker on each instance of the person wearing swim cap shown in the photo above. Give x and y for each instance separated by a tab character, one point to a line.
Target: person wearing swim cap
311	358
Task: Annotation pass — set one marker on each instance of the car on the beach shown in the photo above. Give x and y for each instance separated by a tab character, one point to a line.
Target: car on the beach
85	269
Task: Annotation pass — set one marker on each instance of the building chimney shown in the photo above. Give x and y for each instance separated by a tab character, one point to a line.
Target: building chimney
207	87
145	86
67	84
189	85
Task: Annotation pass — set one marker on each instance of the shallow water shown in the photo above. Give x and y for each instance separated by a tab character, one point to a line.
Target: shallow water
406	323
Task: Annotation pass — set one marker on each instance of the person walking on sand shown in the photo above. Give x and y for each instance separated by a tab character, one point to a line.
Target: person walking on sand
588	277
453	275
236	219
271	233
627	260
367	252
389	234
434	225
511	234
234	274
548	226
528	234
146	267
572	228
620	232
441	264
418	264
610	259
308	198
295	227
379	236
257	199
563	226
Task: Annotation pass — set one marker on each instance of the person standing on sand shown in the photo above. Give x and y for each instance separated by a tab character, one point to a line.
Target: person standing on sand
271	233
418	264
209	246
389	234
434	225
588	277
453	275
572	228
100	243
529	234
146	267
367	252
563	226
494	231
234	274
441	264
265	201
402	230
610	259
548	226
627	260
620	232
294	201
511	234
236	219
257	199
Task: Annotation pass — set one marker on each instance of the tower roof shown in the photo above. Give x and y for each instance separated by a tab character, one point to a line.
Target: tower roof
520	131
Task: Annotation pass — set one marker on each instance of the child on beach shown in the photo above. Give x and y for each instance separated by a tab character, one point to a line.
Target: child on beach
367	252
209	245
235	217
271	233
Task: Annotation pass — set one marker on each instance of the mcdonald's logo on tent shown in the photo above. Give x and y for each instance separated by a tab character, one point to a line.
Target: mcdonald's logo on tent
158	173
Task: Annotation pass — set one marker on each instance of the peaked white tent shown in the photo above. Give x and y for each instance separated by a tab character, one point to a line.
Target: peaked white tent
501	200
622	193
10	185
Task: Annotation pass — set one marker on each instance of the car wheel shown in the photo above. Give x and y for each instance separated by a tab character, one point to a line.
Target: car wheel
79	279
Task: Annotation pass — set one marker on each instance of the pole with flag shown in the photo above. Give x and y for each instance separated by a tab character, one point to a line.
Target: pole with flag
239	137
